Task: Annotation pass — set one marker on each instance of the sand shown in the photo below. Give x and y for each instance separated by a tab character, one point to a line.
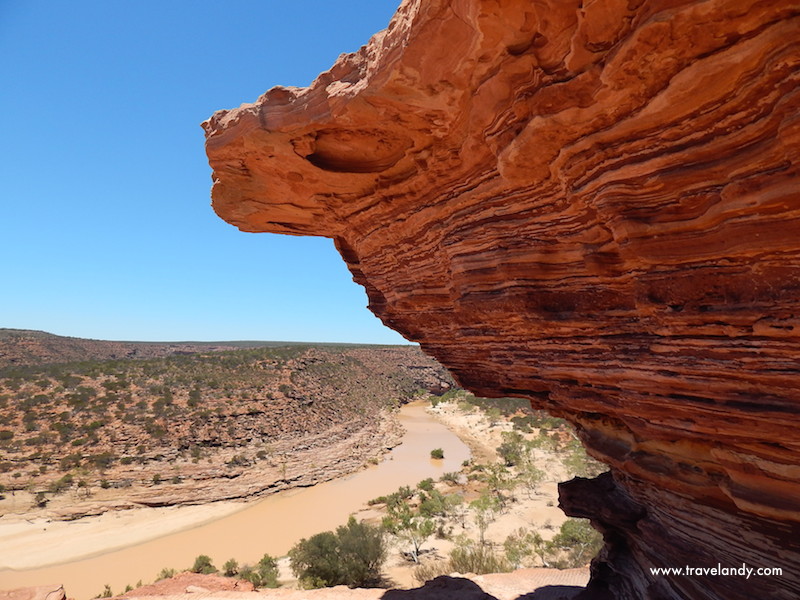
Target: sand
28	544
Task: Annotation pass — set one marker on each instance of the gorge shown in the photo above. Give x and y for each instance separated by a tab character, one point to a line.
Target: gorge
591	205
120	547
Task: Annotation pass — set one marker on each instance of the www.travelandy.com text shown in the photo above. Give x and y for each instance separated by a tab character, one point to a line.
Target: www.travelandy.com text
719	570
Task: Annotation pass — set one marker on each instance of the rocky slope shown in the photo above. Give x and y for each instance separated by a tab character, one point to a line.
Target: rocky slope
591	205
198	428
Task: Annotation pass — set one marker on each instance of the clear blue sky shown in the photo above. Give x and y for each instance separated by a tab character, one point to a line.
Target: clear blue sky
106	229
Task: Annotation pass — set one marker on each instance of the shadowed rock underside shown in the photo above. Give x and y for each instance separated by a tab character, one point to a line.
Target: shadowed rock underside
594	205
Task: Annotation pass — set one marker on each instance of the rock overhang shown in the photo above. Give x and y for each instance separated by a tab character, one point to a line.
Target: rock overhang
596	207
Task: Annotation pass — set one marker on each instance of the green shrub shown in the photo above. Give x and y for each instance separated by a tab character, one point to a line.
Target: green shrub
451	477
427	571
264	574
437	453
576	543
436	504
472	557
513	448
520	545
202	564
426	484
267	570
230	568
578	462
58	486
165	573
352	556
315	562
409	527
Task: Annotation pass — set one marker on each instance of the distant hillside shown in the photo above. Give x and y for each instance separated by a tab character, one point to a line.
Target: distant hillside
19	347
216	424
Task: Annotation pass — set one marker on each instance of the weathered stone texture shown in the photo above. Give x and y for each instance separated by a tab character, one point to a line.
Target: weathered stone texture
595	205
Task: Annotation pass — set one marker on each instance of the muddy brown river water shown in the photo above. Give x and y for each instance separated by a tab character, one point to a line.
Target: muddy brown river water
271	525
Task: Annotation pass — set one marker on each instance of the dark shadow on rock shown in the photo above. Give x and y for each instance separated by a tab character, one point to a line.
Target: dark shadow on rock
441	588
554	592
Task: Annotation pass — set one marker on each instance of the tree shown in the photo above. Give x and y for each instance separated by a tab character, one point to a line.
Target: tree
362	551
409	527
529	475
267	569
486	510
264	574
576	543
513	448
469	557
352	556
498	480
520	545
314	560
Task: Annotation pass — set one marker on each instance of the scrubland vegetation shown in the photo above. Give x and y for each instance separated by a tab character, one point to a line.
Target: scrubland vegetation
80	428
95	425
459	511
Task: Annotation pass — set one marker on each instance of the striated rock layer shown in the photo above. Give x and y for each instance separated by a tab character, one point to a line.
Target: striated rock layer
594	205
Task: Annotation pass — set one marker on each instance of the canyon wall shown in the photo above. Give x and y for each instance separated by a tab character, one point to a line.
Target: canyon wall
594	205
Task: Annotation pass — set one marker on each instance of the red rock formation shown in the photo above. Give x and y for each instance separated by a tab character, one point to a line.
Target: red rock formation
594	205
190	583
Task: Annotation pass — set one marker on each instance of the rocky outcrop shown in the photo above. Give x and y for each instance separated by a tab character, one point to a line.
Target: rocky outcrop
594	205
190	583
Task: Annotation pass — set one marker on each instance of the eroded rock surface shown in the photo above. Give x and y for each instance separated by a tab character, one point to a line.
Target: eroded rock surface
594	205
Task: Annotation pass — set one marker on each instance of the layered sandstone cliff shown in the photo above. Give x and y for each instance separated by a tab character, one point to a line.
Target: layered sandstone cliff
595	205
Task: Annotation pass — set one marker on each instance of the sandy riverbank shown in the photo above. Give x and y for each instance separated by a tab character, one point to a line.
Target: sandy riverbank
535	512
29	544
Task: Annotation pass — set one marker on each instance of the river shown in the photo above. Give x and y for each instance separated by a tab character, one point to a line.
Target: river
270	525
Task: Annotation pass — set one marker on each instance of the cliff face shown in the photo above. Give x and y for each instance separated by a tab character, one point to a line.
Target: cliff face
594	205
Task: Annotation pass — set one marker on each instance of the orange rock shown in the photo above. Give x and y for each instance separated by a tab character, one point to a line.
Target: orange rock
592	205
191	583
